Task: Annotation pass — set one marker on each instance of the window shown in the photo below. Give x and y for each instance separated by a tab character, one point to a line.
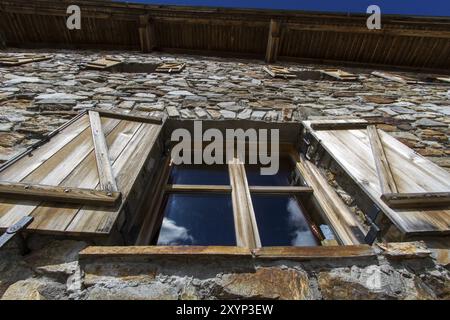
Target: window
234	205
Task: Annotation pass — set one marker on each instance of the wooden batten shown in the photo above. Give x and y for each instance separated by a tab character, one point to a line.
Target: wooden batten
36	192
357	124
105	172
334	210
414	200
384	171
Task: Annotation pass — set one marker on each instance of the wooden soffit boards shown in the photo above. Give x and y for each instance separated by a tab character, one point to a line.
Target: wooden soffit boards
92	156
413	174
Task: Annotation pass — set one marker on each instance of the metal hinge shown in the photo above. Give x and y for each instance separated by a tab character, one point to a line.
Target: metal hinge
15	231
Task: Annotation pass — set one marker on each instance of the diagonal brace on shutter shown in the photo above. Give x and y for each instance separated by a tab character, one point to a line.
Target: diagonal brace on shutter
384	171
104	167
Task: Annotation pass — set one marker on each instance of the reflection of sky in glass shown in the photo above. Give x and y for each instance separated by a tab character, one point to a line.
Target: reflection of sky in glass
282	178
199	174
198	219
281	221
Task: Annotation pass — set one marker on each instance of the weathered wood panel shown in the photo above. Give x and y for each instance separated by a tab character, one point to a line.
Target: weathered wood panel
412	173
68	160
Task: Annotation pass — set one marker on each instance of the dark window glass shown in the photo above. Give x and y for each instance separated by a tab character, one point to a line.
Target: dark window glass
284	177
199	174
281	221
198	219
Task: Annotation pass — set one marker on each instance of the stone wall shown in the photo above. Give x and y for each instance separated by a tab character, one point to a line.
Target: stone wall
35	99
53	271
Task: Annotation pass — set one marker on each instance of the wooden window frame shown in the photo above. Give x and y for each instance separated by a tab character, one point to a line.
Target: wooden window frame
245	225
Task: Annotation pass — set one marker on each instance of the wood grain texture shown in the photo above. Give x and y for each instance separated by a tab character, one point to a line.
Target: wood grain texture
417	200
247	234
413	174
105	173
143	118
24	191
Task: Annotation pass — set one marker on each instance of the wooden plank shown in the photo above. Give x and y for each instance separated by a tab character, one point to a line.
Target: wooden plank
414	200
340	75
273	41
278	72
98	252
147	35
13	61
126	168
281	190
335	212
394	77
362	124
53	171
176	188
320	252
291	253
53	219
387	181
351	148
128	116
151	220
247	234
36	192
443	79
25	166
102	64
105	173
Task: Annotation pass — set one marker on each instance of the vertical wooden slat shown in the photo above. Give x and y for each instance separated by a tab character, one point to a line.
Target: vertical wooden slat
385	176
105	173
273	41
247	234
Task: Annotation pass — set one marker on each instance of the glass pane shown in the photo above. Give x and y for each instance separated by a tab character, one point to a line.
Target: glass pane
281	221
284	177
198	219
199	174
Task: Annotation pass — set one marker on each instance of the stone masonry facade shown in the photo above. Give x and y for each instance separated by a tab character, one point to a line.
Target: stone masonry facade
37	98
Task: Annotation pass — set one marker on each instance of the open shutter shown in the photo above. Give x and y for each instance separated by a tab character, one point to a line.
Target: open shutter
78	180
413	192
103	64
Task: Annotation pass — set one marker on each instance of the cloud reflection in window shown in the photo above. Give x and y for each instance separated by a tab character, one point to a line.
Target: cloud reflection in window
171	234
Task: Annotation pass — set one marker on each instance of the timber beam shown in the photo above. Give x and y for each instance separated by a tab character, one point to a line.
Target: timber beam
273	41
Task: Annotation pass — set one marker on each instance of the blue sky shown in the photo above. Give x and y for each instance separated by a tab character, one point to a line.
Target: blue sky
406	7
